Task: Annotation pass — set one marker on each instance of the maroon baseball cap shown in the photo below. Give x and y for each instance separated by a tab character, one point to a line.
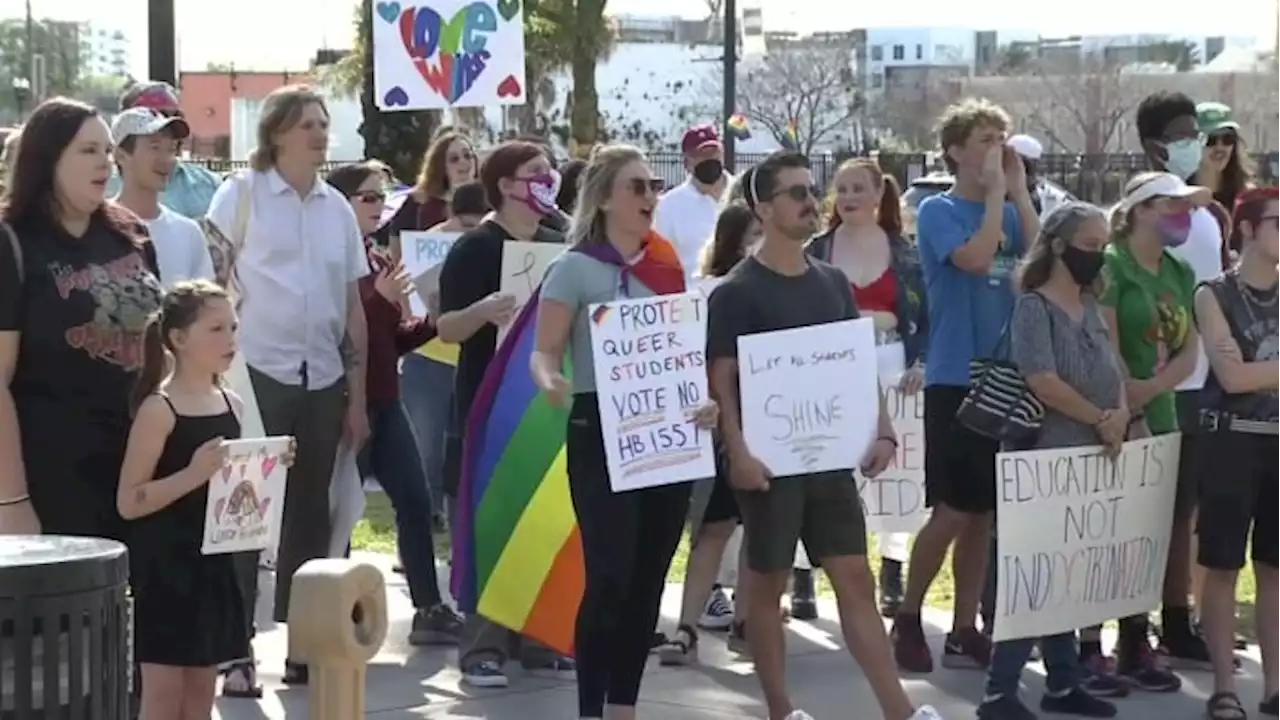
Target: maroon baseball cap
700	137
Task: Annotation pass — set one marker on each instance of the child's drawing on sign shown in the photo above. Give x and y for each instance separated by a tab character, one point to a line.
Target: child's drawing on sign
523	266
242	512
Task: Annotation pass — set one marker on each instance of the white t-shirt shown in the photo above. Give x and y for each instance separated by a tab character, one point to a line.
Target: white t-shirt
180	248
1203	252
687	217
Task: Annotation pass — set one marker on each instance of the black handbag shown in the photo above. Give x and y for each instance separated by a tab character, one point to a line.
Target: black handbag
1000	405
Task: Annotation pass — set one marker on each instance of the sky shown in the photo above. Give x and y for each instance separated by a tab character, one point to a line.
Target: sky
284	34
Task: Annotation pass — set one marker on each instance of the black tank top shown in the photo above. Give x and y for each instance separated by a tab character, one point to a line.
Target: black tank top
180	526
1251	315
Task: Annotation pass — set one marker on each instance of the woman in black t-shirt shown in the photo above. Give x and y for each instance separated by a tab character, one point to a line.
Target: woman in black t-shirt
77	285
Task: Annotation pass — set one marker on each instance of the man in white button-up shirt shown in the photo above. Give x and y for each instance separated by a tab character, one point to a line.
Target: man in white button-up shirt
686	214
302	325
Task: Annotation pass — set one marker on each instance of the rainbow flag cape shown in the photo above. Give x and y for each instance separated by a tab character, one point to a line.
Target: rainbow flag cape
517	553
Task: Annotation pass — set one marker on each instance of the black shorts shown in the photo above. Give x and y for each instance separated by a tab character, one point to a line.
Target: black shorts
959	464
1188	473
722	505
1238	477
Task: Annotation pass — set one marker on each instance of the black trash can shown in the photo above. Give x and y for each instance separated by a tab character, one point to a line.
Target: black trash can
66	640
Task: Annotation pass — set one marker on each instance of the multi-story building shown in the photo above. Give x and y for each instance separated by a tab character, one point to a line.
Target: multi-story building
103	51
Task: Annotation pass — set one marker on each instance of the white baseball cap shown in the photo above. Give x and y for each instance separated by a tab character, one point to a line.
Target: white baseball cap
1149	185
1026	146
145	121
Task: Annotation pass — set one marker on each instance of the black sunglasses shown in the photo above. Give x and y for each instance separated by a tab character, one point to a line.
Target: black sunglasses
1225	139
799	193
644	186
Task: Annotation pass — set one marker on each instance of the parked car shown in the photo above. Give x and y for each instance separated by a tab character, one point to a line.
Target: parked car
937	182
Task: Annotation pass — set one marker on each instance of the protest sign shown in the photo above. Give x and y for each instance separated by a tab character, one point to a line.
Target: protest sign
523	266
809	396
422	254
241	512
651	374
1082	538
894	499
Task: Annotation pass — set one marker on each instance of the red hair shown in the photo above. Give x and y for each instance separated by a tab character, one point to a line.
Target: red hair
889	214
1249	207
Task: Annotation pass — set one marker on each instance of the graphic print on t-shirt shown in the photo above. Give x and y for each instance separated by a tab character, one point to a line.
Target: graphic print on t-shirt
124	294
1170	325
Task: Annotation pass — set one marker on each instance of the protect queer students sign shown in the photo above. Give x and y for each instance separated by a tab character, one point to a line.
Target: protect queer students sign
809	396
894	500
1082	538
651	374
423	255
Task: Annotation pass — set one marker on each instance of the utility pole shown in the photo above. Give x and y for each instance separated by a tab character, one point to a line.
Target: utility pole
31	49
730	82
162	42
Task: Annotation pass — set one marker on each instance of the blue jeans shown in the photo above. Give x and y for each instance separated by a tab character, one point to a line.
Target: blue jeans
1060	656
394	460
427	393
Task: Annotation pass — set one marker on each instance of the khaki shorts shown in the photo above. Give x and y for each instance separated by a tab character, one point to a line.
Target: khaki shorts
823	510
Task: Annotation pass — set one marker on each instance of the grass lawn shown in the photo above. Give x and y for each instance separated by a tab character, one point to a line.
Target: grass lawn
377	532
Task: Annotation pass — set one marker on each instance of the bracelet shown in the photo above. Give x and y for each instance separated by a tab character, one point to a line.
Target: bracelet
889	439
24	497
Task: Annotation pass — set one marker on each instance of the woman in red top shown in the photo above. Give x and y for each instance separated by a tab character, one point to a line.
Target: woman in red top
864	239
392	449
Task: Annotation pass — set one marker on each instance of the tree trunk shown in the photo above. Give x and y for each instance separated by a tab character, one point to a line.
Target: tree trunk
589	19
399	139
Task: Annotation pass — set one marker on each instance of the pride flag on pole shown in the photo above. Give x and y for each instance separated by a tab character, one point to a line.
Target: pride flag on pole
517	553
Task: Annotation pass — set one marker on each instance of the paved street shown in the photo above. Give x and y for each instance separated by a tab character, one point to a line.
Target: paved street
407	683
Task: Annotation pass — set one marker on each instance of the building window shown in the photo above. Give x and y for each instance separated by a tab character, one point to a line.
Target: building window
877	81
919	51
899	52
877	53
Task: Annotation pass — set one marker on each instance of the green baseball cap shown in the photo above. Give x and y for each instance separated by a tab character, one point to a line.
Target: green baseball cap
1215	116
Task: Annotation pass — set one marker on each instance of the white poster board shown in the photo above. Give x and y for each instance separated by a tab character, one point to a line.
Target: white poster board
523	266
651	374
241	512
894	499
1081	538
422	254
237	378
435	54
810	401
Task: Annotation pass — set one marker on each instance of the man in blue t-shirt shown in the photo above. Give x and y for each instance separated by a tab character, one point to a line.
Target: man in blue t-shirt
970	239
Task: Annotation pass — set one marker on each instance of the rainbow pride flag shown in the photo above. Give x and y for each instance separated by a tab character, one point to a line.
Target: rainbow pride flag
517	552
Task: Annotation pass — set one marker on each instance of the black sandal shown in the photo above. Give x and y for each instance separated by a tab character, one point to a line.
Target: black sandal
240	680
1270	706
295	673
1225	706
678	652
658	641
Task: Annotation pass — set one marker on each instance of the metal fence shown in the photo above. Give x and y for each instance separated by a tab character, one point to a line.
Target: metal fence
1096	178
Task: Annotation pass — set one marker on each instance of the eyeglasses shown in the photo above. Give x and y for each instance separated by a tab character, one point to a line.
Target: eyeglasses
643	186
1226	139
799	193
464	157
371	196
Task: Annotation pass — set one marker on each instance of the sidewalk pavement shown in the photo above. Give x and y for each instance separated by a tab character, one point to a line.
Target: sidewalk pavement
407	683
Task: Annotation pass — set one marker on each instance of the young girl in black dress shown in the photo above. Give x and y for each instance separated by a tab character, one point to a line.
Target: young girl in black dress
188	609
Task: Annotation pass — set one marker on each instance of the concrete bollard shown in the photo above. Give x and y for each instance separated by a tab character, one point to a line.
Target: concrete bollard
337	622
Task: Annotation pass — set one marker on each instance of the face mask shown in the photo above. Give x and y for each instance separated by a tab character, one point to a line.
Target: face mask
1174	228
1183	157
541	190
708	171
1084	265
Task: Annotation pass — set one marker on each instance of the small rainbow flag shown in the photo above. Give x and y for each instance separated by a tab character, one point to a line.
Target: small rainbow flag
517	552
792	139
739	126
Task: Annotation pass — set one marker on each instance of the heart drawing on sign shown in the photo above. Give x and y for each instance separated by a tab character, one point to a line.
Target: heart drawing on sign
218	507
226	473
509	87
389	11
508	9
263	507
449	53
268	464
396	97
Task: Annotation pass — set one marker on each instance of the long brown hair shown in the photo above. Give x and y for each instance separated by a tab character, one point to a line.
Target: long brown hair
433	177
889	214
281	110
728	246
179	311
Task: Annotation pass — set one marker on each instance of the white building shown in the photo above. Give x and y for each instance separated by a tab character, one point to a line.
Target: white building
104	52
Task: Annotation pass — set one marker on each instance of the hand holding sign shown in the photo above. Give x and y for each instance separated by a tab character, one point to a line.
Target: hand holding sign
497	308
393	283
207	460
747	473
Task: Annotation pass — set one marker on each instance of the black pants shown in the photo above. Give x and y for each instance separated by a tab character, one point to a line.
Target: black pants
627	540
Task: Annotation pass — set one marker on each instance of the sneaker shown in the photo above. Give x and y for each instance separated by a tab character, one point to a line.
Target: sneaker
1185	649
1004	707
967	649
718	614
1079	703
558	667
910	648
1145	671
438	625
1099	678
485	674
738	638
804	598
890	587
798	715
925	712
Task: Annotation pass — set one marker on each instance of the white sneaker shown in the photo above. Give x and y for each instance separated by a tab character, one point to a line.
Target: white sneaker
718	614
925	712
799	715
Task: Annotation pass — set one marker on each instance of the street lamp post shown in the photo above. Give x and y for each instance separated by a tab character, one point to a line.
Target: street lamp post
730	82
162	41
